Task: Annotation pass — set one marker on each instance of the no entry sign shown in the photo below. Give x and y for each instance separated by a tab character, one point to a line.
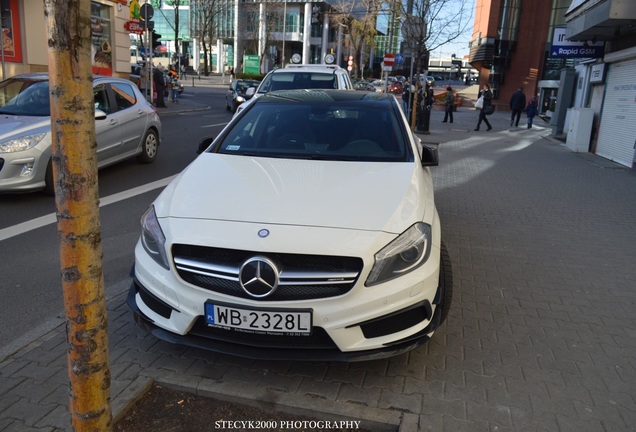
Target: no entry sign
389	59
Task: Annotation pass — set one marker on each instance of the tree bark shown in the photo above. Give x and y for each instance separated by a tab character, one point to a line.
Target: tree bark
76	195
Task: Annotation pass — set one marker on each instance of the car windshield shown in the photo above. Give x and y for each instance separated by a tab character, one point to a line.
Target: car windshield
25	98
298	80
324	130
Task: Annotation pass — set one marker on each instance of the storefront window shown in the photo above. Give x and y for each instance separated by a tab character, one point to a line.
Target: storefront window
11	48
101	51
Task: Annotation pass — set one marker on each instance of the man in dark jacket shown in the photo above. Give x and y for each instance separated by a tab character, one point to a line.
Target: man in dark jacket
160	85
517	105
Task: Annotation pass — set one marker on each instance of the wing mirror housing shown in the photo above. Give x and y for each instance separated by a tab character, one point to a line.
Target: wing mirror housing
250	92
430	155
100	115
204	144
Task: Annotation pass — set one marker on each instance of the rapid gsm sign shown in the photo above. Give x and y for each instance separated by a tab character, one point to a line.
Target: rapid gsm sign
561	47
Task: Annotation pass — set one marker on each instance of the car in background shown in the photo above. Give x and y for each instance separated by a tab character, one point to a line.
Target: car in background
306	230
378	85
126	126
364	86
395	87
236	93
301	76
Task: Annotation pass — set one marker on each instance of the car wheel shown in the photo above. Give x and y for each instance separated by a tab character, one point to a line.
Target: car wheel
445	284
49	184
149	147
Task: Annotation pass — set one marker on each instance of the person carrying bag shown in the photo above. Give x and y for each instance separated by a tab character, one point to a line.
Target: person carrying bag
487	107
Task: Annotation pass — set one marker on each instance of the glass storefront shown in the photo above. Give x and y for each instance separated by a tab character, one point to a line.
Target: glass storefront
102	48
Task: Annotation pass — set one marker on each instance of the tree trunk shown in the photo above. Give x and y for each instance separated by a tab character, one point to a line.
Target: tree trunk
76	197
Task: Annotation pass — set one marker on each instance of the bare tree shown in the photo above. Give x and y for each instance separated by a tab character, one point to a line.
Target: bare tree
430	24
263	28
175	5
205	13
74	164
359	18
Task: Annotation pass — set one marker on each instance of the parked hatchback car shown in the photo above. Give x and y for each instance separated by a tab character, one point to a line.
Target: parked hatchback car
306	230
236	93
125	125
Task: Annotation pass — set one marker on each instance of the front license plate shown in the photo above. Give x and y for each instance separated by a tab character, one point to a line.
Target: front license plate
267	321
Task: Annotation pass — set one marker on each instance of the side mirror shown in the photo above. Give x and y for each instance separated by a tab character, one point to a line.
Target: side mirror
100	115
250	92
430	156
204	144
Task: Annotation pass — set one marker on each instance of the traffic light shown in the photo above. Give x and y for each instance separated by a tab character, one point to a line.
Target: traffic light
315	14
155	40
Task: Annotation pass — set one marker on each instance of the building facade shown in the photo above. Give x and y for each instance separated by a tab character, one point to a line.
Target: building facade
577	56
607	85
24	48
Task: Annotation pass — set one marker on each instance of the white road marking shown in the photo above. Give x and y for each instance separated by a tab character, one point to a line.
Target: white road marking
214	125
42	221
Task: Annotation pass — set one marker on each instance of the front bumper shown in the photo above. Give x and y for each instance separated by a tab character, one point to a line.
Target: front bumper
319	348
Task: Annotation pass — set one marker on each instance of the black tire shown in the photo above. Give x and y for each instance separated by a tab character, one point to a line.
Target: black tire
445	283
149	147
49	184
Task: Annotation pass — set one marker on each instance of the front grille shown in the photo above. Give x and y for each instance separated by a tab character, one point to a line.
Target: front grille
319	339
301	277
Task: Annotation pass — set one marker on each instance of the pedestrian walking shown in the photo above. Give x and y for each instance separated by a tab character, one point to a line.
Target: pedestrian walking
486	95
450	105
144	80
406	97
517	105
231	74
531	110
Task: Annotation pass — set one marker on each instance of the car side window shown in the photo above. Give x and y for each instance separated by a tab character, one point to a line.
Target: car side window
124	95
100	96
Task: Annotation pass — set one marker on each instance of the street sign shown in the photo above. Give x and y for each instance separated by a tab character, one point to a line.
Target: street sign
389	59
399	59
147	12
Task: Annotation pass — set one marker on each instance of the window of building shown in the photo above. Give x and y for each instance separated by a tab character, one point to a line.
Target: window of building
101	39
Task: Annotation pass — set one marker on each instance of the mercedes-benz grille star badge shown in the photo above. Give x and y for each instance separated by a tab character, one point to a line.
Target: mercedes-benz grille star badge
259	276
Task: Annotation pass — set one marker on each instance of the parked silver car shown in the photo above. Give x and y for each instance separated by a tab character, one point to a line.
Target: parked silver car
125	125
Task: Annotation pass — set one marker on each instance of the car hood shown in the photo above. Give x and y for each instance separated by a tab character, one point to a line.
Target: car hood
350	195
13	126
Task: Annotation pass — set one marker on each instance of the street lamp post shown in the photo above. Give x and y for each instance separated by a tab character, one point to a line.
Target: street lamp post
284	32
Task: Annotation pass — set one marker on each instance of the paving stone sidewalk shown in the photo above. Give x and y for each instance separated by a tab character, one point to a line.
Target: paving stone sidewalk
541	335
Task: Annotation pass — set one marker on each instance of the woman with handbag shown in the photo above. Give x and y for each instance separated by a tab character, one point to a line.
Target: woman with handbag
486	96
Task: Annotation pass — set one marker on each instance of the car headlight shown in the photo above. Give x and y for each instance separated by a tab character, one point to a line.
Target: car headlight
404	254
20	144
240	99
152	238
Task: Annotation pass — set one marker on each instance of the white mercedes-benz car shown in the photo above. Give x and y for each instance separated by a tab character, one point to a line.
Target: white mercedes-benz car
306	230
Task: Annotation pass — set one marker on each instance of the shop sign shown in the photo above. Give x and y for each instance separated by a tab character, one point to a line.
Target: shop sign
134	26
561	47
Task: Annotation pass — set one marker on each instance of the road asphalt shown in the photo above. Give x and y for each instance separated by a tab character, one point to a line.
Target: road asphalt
541	334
